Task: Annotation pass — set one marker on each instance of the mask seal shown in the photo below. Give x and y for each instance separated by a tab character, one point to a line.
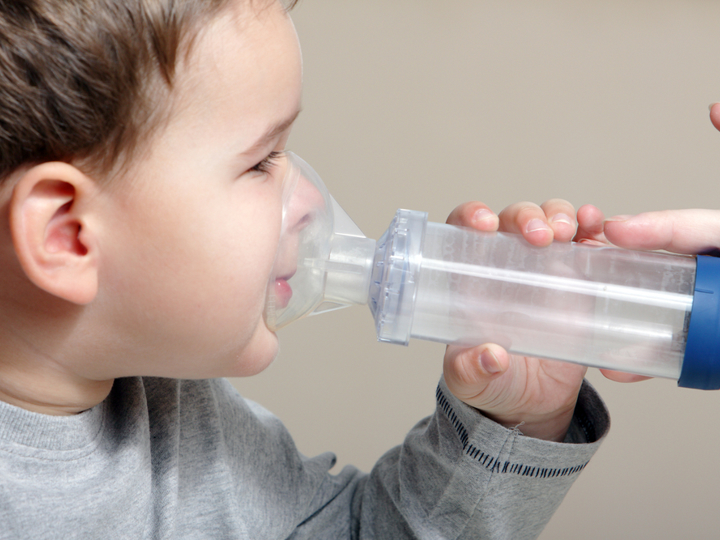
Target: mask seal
324	262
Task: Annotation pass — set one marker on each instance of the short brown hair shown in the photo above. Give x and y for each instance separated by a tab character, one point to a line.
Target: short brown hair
85	79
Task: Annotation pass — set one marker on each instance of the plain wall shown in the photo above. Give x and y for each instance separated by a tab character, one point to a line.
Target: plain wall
425	104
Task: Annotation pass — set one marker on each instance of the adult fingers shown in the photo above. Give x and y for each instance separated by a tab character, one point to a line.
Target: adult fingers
619	376
678	231
715	115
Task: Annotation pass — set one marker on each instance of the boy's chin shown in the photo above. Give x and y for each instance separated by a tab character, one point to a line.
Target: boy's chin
248	359
256	357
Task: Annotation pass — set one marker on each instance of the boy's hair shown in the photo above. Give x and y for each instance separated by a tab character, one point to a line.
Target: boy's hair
88	80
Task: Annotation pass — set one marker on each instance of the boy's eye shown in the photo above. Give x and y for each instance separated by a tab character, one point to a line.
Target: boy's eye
268	163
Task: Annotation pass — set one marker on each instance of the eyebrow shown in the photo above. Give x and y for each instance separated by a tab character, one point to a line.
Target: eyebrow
273	132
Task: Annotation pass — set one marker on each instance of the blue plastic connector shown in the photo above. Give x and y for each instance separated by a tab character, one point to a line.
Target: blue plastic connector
701	365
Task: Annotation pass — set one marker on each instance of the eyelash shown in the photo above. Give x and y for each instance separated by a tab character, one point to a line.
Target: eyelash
266	164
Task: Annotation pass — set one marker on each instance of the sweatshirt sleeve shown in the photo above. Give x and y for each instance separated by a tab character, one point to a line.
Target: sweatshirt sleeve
460	475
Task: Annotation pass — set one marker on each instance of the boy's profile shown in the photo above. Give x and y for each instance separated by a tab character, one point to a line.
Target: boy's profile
140	151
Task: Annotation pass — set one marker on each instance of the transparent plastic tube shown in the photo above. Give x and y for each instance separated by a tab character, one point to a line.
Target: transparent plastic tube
603	307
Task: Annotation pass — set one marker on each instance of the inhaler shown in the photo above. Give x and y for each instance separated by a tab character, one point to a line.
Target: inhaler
646	313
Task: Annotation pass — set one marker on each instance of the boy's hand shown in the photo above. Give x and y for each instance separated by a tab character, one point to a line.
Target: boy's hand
541	394
536	395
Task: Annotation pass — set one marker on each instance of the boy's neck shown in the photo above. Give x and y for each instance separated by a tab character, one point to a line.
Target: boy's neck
52	394
34	379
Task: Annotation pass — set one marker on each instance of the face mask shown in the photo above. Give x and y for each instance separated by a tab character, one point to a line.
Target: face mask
324	262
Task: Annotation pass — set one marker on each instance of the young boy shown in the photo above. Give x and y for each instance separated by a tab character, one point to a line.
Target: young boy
141	208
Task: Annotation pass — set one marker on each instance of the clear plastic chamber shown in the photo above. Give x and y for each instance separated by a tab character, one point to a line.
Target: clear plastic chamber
599	306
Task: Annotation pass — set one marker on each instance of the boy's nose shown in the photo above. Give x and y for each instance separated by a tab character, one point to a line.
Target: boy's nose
304	204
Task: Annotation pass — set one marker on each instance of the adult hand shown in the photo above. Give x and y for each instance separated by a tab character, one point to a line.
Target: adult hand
687	232
715	115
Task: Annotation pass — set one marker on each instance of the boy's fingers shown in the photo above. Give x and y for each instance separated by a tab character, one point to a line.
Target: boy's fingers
528	219
678	231
540	225
560	215
468	372
475	215
590	225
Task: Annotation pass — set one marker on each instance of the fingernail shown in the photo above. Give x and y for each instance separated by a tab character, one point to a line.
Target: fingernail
711	106
562	218
482	215
619	219
490	362
536	225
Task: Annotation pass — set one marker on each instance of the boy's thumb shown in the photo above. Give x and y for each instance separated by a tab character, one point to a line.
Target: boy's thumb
468	372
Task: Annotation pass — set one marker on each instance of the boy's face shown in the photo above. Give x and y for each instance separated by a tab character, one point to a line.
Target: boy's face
193	231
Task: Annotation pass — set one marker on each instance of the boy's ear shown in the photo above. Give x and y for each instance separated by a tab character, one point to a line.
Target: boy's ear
53	238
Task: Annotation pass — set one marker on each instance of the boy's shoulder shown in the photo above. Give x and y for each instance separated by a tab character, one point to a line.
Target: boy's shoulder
156	455
136	408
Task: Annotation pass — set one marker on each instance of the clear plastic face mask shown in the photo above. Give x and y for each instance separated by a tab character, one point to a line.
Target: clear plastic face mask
323	260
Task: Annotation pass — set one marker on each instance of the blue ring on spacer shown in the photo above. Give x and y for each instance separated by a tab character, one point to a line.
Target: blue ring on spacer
701	365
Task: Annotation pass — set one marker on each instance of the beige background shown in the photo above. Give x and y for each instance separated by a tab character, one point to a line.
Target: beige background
424	104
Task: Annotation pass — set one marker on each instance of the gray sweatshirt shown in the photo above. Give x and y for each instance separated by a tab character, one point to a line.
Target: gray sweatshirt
164	458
